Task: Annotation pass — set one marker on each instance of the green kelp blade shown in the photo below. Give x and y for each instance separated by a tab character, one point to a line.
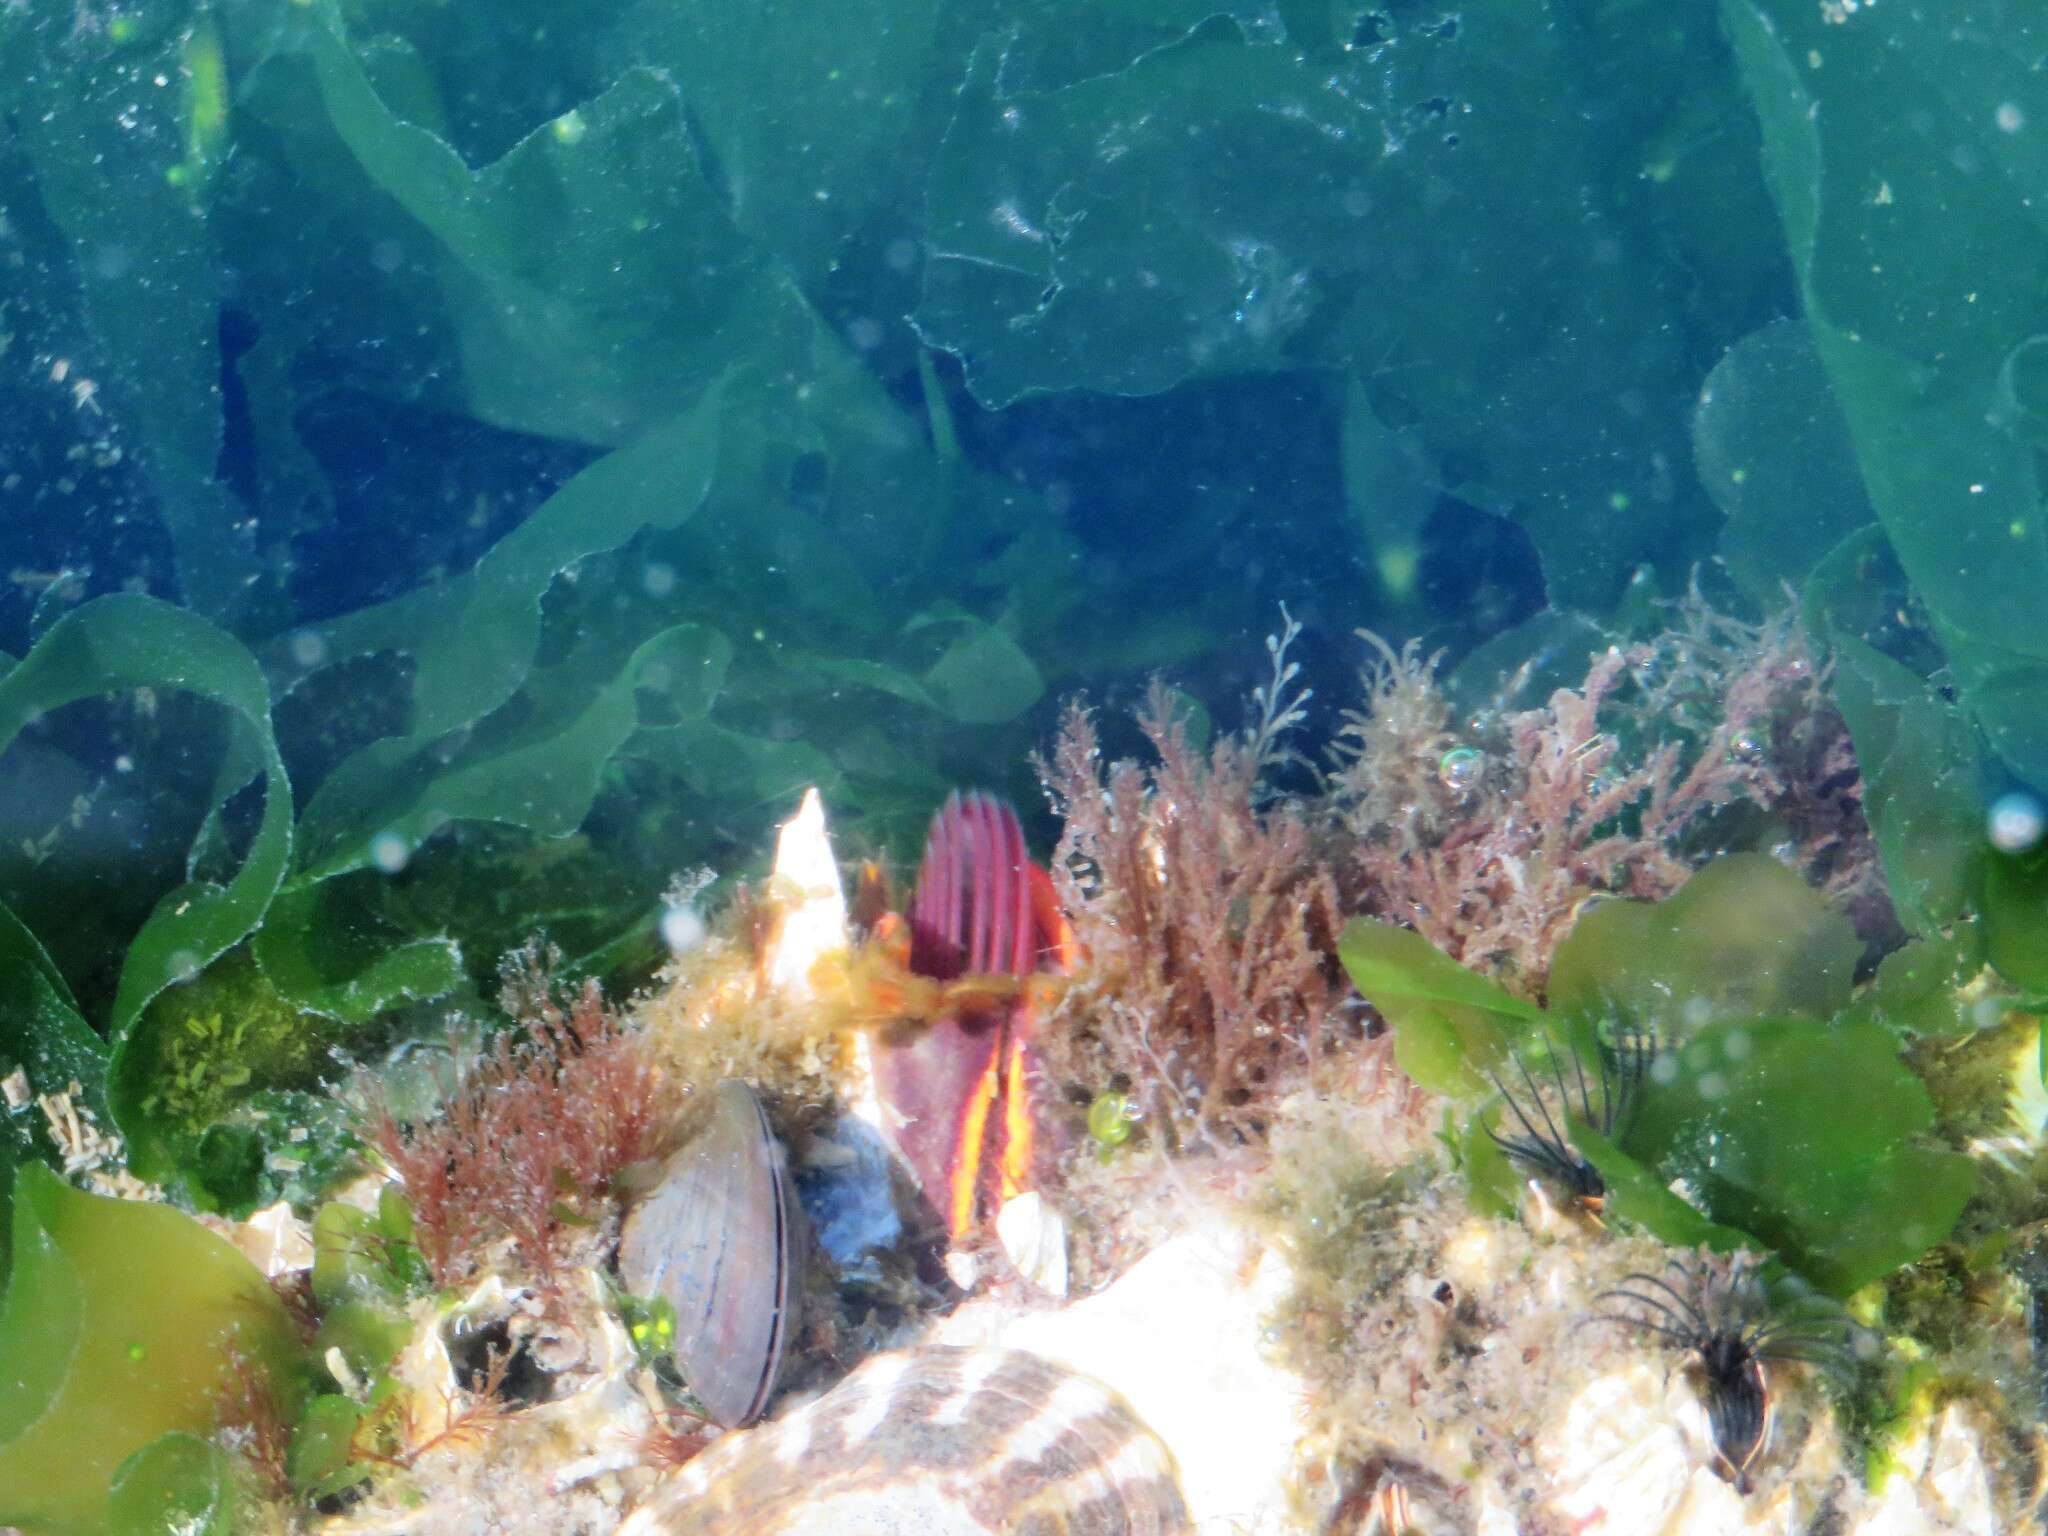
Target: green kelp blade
177	1485
2014	896
44	1037
1637	1196
115	167
1774	452
984	677
1743	936
591	274
1807	1135
123	641
1450	1025
1905	157
543	776
1919	753
473	644
1917	988
117	1327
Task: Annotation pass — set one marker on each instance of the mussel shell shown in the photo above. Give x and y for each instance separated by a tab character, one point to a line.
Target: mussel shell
936	1442
721	1238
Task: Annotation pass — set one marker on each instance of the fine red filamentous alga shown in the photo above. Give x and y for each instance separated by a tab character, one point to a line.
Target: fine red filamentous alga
1209	925
533	1134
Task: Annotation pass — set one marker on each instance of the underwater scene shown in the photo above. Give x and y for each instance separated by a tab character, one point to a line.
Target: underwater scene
1061	767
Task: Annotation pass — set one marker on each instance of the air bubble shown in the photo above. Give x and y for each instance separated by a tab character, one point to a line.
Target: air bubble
390	852
682	929
2016	821
1459	770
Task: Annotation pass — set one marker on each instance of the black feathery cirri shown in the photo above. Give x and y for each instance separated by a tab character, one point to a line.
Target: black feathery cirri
1604	1098
1719	1310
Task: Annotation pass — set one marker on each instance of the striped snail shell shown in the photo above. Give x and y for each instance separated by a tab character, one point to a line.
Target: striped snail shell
720	1238
934	1442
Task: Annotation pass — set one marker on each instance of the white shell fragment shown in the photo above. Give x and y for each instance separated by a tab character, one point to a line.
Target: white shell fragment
272	1239
813	915
719	1238
933	1442
1034	1237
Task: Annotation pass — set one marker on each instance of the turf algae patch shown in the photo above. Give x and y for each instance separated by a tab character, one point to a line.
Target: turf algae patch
117	1326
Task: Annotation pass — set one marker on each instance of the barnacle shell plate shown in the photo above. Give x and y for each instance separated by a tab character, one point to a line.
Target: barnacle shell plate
934	1442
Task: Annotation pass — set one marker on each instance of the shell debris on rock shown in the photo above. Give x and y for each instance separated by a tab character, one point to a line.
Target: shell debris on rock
934	1442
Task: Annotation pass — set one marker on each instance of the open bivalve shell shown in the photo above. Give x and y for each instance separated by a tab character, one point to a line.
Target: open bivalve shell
720	1239
934	1442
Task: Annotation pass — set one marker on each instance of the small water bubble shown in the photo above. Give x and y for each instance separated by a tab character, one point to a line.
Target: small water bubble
1737	1045
2016	821
864	334
1664	1070
901	255
658	580
309	648
1987	1013
184	965
1748	747
2009	117
390	852
1460	769
387	256
124	764
682	929
1712	1085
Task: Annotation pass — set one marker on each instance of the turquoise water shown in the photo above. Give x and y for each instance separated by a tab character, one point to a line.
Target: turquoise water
461	467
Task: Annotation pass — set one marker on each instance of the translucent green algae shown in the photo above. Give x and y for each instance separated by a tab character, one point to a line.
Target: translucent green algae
1785	1115
119	1326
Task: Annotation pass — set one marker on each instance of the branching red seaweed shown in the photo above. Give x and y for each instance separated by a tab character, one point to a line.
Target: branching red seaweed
532	1136
1209	925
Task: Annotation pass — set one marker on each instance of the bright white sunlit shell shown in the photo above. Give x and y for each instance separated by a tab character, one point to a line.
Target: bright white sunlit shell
812	920
933	1442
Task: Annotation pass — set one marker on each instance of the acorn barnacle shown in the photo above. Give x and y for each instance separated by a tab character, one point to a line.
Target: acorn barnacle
943	1442
1592	1081
1733	1325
